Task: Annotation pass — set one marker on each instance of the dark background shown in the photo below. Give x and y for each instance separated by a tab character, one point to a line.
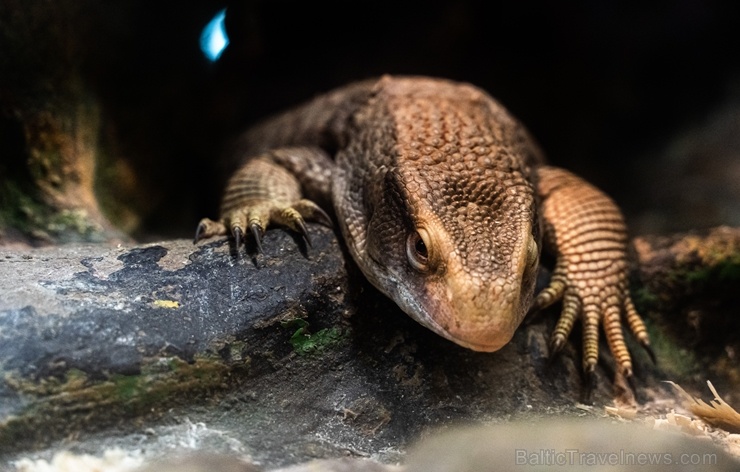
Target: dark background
606	87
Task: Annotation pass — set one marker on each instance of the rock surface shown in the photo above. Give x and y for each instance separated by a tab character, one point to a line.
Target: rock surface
284	357
688	289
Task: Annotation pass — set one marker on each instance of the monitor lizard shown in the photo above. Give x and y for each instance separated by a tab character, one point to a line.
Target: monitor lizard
444	202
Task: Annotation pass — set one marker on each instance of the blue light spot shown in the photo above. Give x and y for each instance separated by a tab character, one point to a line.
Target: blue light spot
213	39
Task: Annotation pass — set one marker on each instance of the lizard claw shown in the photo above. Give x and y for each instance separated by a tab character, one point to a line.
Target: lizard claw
556	345
207	228
589	385
310	211
301	225
238	235
199	232
631	381
649	350
257	232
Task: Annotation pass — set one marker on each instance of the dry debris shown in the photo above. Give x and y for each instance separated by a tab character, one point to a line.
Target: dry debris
717	413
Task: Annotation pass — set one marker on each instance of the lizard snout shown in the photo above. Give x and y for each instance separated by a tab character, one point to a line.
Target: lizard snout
478	316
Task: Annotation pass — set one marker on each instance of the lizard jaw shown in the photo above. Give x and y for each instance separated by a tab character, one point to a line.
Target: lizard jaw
479	328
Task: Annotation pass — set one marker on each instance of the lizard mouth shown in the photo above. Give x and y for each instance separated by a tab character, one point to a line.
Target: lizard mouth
482	329
476	336
478	347
498	339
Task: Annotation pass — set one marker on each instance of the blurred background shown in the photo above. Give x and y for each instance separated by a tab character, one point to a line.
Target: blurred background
641	99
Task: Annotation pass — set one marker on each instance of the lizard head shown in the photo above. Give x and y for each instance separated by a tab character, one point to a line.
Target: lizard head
466	270
436	202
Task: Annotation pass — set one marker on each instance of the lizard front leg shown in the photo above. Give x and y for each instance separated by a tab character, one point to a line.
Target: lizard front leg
586	231
269	190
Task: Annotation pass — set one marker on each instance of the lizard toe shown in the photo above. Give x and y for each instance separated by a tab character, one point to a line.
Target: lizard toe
554	291
290	217
208	228
310	211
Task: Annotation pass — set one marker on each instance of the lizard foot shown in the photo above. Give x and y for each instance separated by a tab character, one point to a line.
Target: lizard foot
263	214
260	194
597	298
596	291
258	216
588	234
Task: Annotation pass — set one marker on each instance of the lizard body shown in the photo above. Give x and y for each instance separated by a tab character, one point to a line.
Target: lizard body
440	196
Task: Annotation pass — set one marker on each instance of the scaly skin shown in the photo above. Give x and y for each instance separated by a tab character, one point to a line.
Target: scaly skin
590	275
439	193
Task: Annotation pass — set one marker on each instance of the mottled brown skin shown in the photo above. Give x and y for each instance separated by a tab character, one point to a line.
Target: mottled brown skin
440	195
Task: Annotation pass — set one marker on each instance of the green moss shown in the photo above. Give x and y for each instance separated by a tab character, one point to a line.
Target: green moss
126	386
70	403
723	271
644	299
19	209
23	211
711	271
236	351
674	358
305	343
729	270
72	221
720	263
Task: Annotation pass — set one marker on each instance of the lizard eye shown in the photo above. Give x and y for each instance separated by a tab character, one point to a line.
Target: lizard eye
417	251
